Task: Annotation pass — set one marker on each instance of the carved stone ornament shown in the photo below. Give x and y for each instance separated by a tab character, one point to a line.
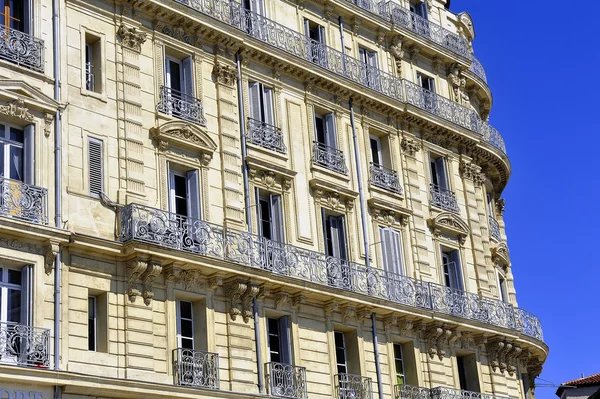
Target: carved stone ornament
192	280
363	314
464	18
48	119
281	299
224	74
472	172
389	323
185	135
503	356
152	270
410	146
385	216
449	223
52	248
500	255
140	278
437	339
17	109
458	82
176	32
500	205
330	308
241	295
348	312
397	52
297	301
131	37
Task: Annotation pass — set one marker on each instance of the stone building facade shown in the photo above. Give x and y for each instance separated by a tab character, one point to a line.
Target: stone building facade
284	198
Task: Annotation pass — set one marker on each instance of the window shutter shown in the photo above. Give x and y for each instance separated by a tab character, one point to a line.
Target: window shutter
259	215
27	17
361	55
27	295
29	153
335	236
396	251
95	166
306	28
341	232
455	271
330	130
285	340
372	59
326	232
440	167
375	150
277	219
321	31
167	68
255	97
193	188
171	188
188	76
423	10
267	95
385	249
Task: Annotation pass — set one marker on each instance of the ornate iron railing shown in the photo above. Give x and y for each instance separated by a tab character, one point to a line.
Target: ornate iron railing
385	178
494	228
443	198
266	136
24	346
90	82
196	368
302	46
154	226
287	381
181	105
477	68
351	386
22	49
23	201
413	392
329	157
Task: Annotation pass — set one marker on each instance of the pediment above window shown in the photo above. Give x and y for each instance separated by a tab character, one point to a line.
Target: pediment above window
25	97
387	213
272	179
500	255
449	223
333	196
186	136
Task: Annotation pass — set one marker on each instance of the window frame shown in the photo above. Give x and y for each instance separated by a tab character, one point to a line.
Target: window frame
179	318
399	269
397	374
266	102
343	348
446	253
379	151
430	79
439	162
93	301
502	288
7	144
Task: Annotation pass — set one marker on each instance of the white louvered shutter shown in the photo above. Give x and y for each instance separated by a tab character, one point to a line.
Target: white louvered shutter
95	167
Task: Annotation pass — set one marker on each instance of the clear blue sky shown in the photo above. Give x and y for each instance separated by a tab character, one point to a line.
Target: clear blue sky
542	60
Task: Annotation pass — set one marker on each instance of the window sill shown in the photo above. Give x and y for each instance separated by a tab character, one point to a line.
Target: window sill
98	96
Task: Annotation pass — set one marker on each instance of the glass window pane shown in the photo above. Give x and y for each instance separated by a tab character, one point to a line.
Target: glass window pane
16	135
16	163
187	329
2	171
14	306
187	343
1	274
185	310
14	277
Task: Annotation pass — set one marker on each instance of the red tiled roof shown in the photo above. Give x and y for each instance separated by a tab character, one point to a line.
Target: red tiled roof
589	380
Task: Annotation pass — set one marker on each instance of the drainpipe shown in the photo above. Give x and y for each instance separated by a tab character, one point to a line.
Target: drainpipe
259	366
366	245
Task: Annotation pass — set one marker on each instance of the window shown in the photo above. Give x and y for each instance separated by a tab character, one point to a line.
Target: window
15	295
16	15
184	193
335	235
399	363
340	353
376	155
92	323
256	6
368	57
278	332
391	250
179	87
369	60
502	288
346	358
426	82
490	206
438	172
270	220
467	373
185	325
325	129
451	269
316	47
93	63
419	9
16	153
95	166
315	31
261	103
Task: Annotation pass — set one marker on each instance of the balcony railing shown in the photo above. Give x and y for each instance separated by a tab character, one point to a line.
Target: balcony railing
477	68
196	368
287	381
301	46
494	228
22	49
413	392
329	157
350	386
24	346
265	135
385	178
181	105
90	81
154	226
443	198
23	201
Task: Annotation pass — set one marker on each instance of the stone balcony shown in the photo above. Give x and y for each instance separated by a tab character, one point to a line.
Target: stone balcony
303	47
181	105
196	368
22	49
286	380
24	346
23	201
146	225
350	386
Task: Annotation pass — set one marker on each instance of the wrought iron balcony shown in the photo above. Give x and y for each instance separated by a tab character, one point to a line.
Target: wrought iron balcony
287	381
24	346
302	46
265	135
477	68
158	227
443	198
196	368
23	201
413	392
329	157
181	105
494	228
22	49
385	178
350	386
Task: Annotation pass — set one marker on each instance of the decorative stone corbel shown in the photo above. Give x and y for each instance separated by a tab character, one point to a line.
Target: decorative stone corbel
405	326
281	299
389	323
500	205
397	50
51	250
512	359
495	351
413	52
355	22
135	268
48	118
410	146
362	315
330	308
172	272
214	282
191	279
472	172
437	338
348	312
247	298
148	276
234	292
224	74
131	37
297	301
